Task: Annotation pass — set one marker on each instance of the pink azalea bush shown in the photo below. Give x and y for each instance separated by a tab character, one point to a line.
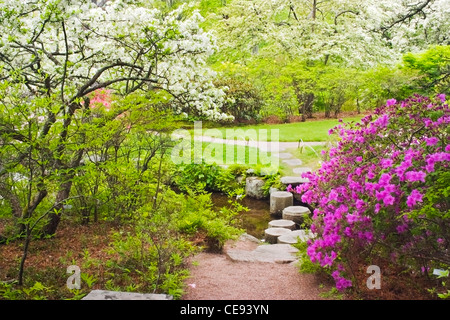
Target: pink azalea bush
101	98
383	191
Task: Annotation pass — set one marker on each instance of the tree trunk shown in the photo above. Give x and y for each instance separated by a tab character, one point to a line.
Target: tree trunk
28	211
55	216
64	192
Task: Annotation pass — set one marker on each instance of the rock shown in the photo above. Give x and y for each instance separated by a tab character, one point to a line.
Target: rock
282	223
239	179
295	213
294	181
284	155
272	189
280	200
274	253
117	295
253	187
271	234
301	170
249	237
293	162
294	237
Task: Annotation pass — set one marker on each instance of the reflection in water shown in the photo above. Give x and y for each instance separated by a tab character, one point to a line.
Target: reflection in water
255	220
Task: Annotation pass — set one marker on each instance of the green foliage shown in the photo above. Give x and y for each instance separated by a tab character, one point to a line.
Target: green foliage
204	176
432	67
272	181
38	291
243	99
305	264
198	216
153	253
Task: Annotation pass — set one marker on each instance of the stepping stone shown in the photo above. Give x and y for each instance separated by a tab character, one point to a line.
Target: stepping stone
117	295
280	200
295	213
294	181
282	223
301	170
293	162
274	253
271	234
284	155
294	237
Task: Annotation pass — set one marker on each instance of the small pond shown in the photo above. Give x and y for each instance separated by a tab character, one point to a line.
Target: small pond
256	219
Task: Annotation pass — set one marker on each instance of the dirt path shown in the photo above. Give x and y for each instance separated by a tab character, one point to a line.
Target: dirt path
216	277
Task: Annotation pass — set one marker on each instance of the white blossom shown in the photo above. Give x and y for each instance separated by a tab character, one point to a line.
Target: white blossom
70	41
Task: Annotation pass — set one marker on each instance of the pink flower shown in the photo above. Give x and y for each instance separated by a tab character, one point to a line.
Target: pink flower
333	196
385	179
415	176
386	163
431	141
402	228
413	198
391	102
382	121
441	97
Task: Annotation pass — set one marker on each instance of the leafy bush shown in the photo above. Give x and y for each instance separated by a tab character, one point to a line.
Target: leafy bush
204	176
243	99
152	254
383	192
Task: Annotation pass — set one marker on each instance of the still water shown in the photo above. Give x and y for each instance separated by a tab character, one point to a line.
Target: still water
256	219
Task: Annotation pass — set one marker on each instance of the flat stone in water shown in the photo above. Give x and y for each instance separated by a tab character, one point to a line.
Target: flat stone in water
301	170
271	234
294	236
282	223
280	200
295	213
293	180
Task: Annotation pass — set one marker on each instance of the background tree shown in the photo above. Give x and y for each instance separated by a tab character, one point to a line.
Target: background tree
54	54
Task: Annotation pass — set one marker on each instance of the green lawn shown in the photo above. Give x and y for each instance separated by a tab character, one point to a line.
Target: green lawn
288	132
217	153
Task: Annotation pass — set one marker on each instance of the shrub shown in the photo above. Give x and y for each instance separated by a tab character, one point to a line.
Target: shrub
383	192
204	176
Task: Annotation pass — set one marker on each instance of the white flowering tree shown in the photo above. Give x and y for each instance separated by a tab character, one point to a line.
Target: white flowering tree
54	54
359	33
304	38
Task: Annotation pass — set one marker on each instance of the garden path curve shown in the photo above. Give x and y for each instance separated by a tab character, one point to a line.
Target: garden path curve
218	277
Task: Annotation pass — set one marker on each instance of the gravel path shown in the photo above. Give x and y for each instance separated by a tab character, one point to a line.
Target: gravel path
216	277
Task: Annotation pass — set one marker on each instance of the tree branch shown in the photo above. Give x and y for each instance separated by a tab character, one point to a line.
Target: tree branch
402	18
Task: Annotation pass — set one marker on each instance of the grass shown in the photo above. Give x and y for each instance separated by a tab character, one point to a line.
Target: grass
217	152
310	156
313	131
